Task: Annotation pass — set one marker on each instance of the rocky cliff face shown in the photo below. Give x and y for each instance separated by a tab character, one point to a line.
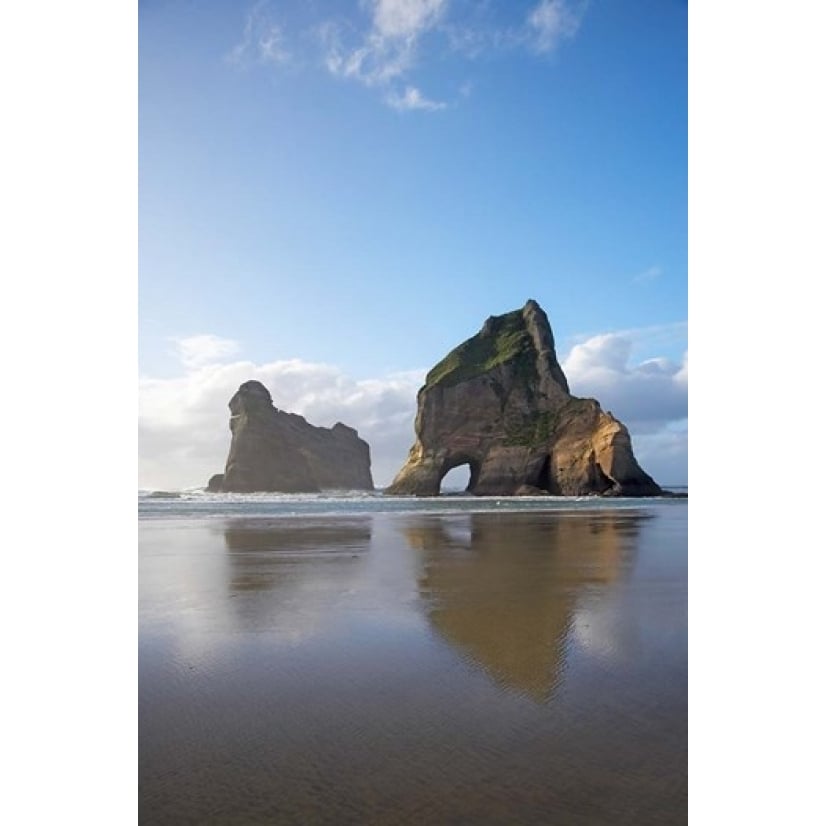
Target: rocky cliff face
276	451
500	403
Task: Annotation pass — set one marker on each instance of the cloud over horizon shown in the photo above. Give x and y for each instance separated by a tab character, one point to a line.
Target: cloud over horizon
644	396
184	421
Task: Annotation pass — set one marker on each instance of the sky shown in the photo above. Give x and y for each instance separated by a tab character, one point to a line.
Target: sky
333	195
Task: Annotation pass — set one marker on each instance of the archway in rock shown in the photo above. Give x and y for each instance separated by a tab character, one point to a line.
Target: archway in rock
458	476
455	480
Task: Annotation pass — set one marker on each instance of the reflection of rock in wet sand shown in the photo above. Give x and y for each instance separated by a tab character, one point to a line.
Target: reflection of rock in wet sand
261	550
281	572
502	588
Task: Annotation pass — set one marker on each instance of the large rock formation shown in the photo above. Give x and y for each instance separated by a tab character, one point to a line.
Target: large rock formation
500	403
272	450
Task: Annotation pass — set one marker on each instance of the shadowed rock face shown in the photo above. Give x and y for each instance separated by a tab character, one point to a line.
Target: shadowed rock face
276	451
500	403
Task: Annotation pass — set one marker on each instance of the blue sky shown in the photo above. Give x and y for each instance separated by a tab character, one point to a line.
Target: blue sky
353	188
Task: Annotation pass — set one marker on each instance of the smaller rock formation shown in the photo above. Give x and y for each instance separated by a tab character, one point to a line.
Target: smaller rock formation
272	450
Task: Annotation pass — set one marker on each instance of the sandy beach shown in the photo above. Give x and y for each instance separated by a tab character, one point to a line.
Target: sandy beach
415	668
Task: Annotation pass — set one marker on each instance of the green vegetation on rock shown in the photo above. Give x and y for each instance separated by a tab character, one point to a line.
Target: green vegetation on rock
533	433
502	339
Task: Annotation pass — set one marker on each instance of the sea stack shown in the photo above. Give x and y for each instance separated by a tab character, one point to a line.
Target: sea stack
500	403
272	450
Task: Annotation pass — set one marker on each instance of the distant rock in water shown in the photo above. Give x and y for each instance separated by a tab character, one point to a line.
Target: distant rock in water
272	450
500	403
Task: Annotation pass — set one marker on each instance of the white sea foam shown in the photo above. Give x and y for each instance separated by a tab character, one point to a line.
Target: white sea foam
198	503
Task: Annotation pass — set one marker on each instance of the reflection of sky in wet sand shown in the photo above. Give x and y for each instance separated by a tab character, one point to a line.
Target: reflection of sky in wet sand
504	590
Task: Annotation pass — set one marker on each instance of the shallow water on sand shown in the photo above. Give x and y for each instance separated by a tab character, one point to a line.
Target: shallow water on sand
393	668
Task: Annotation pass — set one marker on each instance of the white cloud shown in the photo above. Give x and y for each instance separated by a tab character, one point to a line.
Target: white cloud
406	18
270	46
645	396
551	21
413	99
262	41
196	351
391	39
387	51
376	62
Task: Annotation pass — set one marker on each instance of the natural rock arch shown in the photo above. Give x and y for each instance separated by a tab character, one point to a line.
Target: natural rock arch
455	462
500	402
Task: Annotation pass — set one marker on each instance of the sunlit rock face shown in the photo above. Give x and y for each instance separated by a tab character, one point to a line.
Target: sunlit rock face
500	403
272	450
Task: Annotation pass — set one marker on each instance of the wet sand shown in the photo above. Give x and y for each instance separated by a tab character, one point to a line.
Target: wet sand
414	668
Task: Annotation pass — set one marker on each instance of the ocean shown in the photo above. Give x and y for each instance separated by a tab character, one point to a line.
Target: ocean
356	658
